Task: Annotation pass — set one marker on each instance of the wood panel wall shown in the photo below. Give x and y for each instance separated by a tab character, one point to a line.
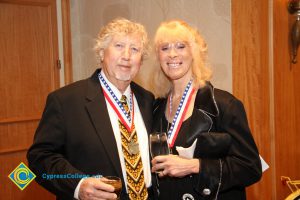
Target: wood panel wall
268	84
286	100
251	80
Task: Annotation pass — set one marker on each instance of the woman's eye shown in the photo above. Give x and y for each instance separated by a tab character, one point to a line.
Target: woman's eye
180	46
164	48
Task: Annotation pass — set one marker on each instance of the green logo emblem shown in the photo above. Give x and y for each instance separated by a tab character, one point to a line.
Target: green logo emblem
22	176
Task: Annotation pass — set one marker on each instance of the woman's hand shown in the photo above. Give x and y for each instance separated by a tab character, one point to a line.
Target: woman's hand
175	166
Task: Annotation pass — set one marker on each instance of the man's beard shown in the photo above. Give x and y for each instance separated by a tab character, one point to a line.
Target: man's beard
123	77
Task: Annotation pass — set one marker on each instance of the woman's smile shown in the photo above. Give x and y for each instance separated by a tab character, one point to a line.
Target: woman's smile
174	64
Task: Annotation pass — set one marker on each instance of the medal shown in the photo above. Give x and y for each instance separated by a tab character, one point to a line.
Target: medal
180	113
109	95
133	147
125	118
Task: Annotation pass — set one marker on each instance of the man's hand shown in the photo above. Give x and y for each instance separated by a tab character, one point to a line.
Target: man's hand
94	188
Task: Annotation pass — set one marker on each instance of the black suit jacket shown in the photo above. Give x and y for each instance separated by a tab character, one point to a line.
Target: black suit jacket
227	151
75	136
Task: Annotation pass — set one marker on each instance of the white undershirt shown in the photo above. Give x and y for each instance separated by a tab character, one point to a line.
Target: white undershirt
140	129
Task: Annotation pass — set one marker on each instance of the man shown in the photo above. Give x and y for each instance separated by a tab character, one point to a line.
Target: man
87	129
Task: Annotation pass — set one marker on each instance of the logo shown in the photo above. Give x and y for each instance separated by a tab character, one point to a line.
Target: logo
22	176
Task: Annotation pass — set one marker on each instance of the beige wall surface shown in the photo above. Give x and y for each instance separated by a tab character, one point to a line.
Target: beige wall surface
211	17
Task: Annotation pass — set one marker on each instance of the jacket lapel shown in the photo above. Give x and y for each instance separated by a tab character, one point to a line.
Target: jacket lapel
205	100
96	107
204	107
200	123
144	106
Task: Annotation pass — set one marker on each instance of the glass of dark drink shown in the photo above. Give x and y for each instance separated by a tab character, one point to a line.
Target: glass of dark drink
158	144
116	182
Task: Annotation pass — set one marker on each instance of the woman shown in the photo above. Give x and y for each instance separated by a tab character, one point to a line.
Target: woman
214	155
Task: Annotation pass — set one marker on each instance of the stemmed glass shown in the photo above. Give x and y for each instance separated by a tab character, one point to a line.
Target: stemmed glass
158	144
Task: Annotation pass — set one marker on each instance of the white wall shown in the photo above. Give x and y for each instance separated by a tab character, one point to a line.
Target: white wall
211	17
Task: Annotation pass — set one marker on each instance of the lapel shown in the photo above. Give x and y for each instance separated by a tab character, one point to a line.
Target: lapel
145	106
205	108
96	107
205	100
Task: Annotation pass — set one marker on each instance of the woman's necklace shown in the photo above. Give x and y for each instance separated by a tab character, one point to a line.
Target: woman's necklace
180	112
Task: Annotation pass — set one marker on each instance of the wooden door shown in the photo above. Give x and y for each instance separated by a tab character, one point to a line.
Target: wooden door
28	72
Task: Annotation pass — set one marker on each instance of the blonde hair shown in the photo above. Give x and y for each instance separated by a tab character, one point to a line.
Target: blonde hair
121	26
178	30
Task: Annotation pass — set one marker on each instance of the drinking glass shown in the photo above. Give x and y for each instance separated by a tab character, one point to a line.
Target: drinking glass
115	182
158	144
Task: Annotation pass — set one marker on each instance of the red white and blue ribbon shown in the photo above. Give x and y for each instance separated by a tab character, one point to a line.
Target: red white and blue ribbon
180	113
119	109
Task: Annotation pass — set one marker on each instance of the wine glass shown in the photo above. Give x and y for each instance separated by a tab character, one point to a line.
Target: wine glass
158	144
115	182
